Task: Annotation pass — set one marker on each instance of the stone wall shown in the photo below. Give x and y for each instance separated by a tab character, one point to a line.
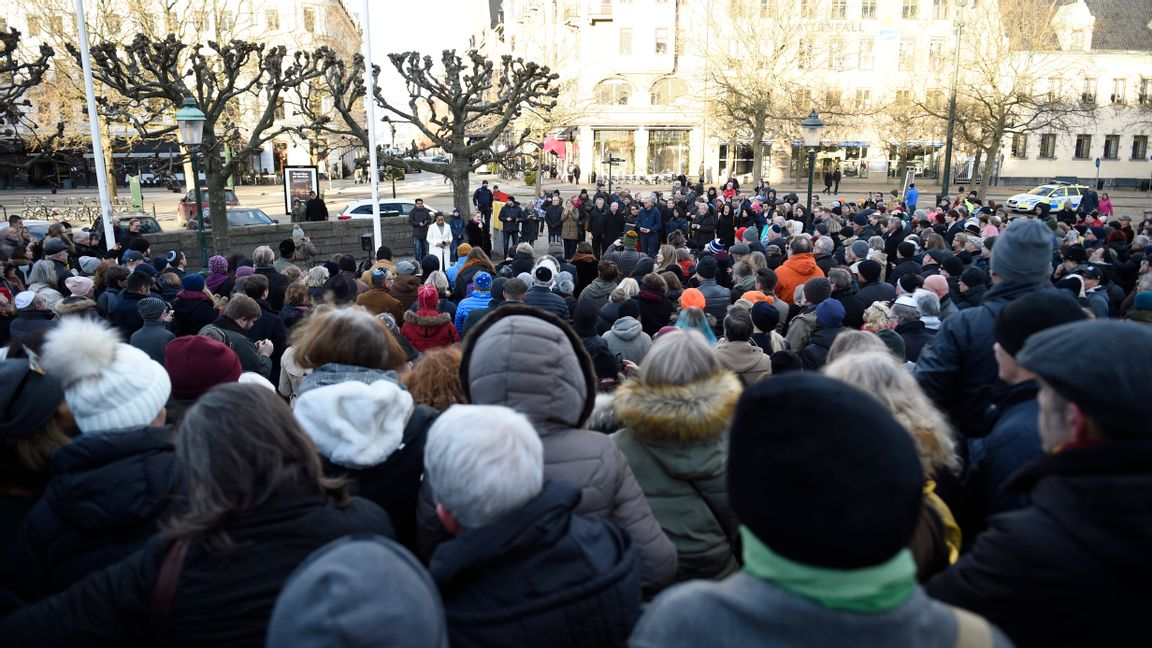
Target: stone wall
329	237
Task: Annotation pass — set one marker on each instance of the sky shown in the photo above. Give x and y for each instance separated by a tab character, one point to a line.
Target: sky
426	26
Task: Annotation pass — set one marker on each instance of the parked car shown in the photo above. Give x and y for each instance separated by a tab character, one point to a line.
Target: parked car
148	225
237	217
363	209
1055	194
187	209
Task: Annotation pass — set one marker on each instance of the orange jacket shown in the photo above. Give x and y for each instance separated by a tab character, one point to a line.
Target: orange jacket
797	270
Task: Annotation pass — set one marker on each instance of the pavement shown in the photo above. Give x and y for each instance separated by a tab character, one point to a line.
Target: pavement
438	194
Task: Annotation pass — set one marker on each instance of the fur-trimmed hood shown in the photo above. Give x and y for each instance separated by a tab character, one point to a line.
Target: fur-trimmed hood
424	318
698	411
353	424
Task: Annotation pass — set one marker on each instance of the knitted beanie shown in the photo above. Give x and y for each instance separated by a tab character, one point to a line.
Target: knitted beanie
218	265
151	308
1023	253
692	297
196	364
830	313
108	385
817	290
78	286
193	282
836	486
1032	313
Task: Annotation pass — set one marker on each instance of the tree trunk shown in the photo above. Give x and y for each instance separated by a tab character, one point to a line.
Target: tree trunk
730	163
757	157
979	161
109	168
461	193
539	170
216	179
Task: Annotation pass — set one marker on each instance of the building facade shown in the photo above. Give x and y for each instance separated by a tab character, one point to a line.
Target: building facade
637	87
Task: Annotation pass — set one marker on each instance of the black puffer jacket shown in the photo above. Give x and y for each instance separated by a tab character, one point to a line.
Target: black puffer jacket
101	505
218	601
957	368
1072	569
541	576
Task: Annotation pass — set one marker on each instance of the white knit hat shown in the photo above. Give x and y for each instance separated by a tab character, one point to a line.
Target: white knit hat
354	424
108	385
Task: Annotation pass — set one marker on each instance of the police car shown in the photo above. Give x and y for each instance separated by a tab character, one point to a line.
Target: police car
1055	194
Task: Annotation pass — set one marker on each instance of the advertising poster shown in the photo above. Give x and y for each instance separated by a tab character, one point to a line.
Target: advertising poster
299	181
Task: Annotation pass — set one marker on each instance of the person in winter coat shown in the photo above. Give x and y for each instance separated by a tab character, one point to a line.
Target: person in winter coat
703	224
477	232
907	263
610	312
480	297
829	324
605	364
238	317
906	314
477	262
649	226
112	483
258	505
154	335
602	286
627	339
872	287
427	327
439	241
587	266
334	598
540	295
1068	570
379	299
972	290
570	228
366	426
797	269
193	308
717	298
125	316
736	352
523	568
269	326
802	570
558	407
554	219
676	414
652	303
959	364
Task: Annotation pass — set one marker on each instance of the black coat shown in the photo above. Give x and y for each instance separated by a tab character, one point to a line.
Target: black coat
192	312
655	311
545	299
218	602
874	292
1072	569
854	308
101	505
28	323
815	353
541	576
613	226
957	369
915	336
906	266
277	284
124	316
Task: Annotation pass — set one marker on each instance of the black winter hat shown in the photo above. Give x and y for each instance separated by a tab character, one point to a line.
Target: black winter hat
817	289
1033	313
973	277
869	270
1076	253
584	318
765	316
627	308
953	265
906	249
786	361
28	398
706	267
822	473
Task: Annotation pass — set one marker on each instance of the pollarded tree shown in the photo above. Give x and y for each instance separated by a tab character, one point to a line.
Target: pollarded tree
225	79
465	106
19	75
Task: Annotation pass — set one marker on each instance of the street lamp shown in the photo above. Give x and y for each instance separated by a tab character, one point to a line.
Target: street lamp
610	161
190	121
812	127
946	178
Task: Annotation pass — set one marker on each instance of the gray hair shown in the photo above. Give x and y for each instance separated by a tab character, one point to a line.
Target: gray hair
43	271
850	342
825	244
439	279
876	243
627	289
526	248
905	313
317	277
565	284
679	358
839	278
927	302
483	462
263	256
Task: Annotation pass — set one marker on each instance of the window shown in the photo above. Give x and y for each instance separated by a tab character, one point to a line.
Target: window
309	20
661	40
839	9
56	24
667	90
607	144
224	23
272	19
940	9
667	151
863	97
625	41
1048	145
935	99
910	10
1055	89
936	53
1020	145
1140	147
903	97
805	59
34	26
1111	147
907	56
804	99
867	9
1083	147
1119	91
114	23
837	55
1144	98
867	58
832	99
1088	91
612	92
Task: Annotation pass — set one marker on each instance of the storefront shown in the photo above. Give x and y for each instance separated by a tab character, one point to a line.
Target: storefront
920	156
616	143
668	151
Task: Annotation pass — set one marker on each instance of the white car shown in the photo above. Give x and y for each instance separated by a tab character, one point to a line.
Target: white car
1053	194
388	208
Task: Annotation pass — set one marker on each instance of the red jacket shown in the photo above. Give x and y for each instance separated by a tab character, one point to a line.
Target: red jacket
429	330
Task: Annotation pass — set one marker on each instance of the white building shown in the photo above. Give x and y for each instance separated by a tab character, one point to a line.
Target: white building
296	24
634	85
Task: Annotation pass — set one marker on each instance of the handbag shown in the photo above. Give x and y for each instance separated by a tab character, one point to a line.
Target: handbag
166	582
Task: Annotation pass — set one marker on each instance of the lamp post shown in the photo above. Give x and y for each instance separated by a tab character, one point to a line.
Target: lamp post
612	160
190	121
812	127
946	179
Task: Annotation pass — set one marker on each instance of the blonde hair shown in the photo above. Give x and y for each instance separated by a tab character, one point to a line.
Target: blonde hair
878	374
853	342
317	277
439	279
877	317
627	289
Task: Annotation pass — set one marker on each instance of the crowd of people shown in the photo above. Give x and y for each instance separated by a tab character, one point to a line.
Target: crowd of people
703	416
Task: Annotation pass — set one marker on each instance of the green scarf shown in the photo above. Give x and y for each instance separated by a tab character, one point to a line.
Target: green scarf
875	589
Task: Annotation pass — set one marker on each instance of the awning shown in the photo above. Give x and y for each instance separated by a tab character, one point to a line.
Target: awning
553	145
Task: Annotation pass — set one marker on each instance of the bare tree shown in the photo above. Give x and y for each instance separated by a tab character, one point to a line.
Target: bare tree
465	105
225	79
18	76
1012	51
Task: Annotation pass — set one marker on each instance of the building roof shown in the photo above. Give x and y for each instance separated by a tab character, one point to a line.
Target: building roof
1121	25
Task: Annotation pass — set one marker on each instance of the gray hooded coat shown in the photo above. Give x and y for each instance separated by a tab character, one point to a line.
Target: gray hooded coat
523	358
627	339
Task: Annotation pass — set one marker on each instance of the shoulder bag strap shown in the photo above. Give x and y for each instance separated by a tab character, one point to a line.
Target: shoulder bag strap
165	592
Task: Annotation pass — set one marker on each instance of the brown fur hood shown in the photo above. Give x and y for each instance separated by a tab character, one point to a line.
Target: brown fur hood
698	411
424	318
